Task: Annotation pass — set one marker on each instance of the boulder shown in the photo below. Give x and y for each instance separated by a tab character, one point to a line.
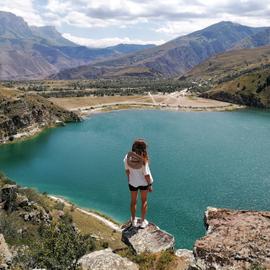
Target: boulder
22	201
151	239
8	197
187	258
36	216
106	260
234	240
5	254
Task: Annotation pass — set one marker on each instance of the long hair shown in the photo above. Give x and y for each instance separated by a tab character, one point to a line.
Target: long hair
139	147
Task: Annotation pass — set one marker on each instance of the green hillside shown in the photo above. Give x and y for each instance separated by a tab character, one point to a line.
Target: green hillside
241	76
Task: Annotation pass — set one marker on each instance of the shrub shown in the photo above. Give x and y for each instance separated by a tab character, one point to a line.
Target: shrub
60	248
59	206
164	260
257	266
145	260
5	180
105	245
36	197
9	227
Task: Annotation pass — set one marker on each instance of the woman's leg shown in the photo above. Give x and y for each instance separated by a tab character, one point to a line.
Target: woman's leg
133	203
144	203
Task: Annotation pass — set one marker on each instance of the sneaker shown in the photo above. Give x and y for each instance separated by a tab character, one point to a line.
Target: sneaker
144	224
134	222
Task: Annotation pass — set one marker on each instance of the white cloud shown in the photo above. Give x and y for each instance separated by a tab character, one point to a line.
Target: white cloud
171	18
106	42
176	29
23	9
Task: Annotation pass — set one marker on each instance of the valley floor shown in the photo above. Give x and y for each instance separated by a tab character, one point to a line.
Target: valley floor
174	101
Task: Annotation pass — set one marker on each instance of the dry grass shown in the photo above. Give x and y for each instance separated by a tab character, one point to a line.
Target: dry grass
232	61
165	260
90	225
8	93
79	102
109	103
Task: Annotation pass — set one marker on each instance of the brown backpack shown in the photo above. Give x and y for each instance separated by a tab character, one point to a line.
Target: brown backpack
134	161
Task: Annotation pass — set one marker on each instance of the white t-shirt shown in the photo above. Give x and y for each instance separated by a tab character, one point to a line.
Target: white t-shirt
136	176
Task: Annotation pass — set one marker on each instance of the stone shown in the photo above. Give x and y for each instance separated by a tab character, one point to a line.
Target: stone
37	216
234	240
22	201
187	258
5	254
105	260
8	197
150	239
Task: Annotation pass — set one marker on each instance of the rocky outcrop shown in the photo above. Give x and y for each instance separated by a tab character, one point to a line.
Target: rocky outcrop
8	196
151	239
11	200
5	254
106	260
187	257
26	114
234	240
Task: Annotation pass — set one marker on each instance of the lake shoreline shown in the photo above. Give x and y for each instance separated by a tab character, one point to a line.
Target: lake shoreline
106	220
175	101
41	164
85	112
103	108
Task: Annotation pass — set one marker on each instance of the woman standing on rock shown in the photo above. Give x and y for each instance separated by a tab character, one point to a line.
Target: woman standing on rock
139	178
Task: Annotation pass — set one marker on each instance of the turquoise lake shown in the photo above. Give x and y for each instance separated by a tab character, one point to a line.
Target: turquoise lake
198	159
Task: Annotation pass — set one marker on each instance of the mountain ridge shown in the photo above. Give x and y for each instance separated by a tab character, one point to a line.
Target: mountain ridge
175	57
31	52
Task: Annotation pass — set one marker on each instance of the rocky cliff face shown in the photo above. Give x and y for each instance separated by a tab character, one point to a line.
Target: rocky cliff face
22	114
234	240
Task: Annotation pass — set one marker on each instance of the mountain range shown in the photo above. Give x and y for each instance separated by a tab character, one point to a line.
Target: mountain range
30	52
175	57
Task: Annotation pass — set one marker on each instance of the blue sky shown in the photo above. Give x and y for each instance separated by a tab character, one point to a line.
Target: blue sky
100	23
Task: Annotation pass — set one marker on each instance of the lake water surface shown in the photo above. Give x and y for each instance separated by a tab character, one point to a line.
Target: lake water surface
198	159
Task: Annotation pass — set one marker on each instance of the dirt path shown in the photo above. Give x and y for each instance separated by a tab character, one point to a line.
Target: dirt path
150	95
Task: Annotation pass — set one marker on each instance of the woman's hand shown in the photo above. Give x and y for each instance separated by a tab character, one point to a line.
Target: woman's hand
150	188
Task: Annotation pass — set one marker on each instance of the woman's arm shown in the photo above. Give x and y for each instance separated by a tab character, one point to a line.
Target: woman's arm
148	176
127	173
148	180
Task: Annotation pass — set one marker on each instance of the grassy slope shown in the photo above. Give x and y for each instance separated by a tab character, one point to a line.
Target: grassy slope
85	223
240	76
11	223
252	89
